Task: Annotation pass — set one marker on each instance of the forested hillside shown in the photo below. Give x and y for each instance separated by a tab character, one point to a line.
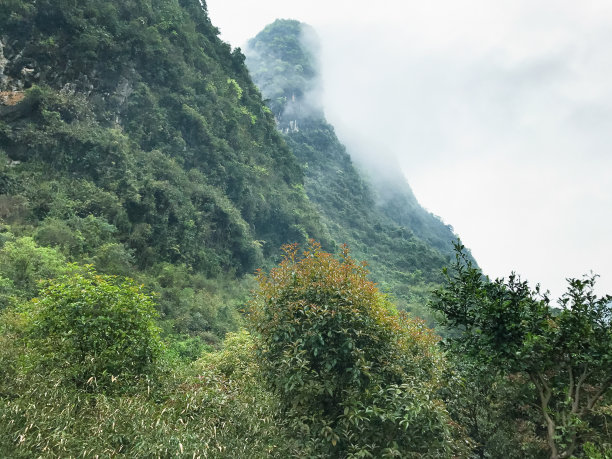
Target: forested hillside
143	181
144	102
132	138
376	214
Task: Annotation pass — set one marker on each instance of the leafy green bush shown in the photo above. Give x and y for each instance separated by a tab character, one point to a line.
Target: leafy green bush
357	376
99	330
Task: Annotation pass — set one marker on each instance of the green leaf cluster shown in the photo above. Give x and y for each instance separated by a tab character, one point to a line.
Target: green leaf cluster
564	354
355	374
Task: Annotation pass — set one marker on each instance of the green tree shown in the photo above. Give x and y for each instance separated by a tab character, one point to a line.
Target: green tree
565	354
496	410
23	264
99	331
354	373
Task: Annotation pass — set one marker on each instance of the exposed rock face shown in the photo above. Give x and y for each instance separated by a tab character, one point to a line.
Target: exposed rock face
9	81
11	97
124	89
3	62
10	88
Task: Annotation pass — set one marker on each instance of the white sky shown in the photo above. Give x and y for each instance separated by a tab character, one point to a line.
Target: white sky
500	113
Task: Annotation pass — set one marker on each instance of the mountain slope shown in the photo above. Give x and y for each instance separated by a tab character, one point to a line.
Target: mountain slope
132	138
379	218
143	101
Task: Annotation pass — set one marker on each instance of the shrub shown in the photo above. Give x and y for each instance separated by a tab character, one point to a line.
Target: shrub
25	263
356	375
98	330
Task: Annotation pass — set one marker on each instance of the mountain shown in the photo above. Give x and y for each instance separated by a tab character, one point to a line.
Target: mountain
140	105
375	213
133	138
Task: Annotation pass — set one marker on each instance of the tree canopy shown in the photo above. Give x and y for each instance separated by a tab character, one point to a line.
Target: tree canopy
359	375
565	352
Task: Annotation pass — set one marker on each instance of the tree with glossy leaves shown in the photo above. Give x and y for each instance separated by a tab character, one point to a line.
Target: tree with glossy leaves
356	375
565	352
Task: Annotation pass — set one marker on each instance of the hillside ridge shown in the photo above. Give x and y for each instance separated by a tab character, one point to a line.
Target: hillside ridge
378	216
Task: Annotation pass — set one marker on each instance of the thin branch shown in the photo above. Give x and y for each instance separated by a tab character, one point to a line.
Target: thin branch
545	393
570	389
591	401
576	404
570	450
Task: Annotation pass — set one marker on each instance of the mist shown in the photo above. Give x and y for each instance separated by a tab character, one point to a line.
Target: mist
499	116
304	100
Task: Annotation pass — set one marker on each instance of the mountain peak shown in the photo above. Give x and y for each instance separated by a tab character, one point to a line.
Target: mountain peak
284	61
374	212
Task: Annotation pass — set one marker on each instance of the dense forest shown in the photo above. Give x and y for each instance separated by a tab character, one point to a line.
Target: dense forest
162	293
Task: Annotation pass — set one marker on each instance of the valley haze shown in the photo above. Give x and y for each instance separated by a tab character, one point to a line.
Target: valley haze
500	115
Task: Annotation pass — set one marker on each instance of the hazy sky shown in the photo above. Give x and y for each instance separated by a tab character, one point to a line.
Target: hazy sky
500	113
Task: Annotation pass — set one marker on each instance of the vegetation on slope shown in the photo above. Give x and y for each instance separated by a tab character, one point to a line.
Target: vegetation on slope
133	140
143	101
331	370
405	245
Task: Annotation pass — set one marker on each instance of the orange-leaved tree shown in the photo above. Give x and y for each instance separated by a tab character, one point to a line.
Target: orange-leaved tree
355	374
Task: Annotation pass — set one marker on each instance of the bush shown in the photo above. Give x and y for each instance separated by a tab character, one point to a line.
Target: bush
98	330
357	376
24	263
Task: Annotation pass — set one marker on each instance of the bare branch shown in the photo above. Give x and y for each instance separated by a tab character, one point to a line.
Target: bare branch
576	404
545	393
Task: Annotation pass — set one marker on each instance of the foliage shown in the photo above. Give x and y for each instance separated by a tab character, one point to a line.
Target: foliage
565	353
356	374
495	410
195	305
592	451
143	105
349	208
205	409
22	264
98	330
138	142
